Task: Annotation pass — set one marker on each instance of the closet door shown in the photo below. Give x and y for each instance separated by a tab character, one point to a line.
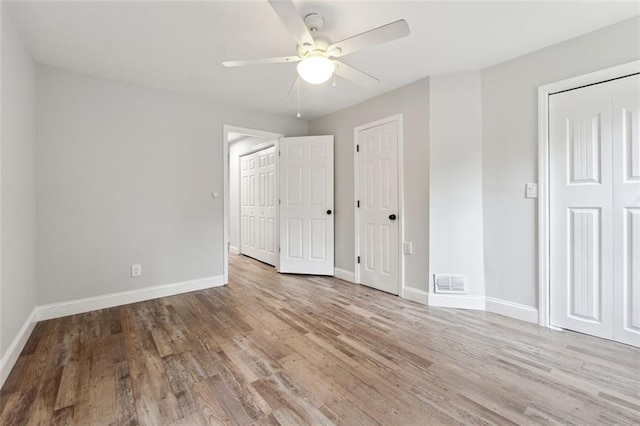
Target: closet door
595	209
626	209
258	205
248	207
266	205
581	210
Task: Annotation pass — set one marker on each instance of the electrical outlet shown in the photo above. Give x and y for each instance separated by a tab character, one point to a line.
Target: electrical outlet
408	247
136	271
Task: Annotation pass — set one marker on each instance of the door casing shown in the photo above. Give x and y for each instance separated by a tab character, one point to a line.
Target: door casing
356	194
544	231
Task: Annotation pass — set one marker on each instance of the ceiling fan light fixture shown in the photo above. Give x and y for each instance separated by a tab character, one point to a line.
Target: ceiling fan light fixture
316	69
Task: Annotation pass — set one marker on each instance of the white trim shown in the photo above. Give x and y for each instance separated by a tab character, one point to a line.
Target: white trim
78	306
258	148
460	301
356	212
226	128
415	295
1	185
12	353
356	193
481	303
234	249
512	310
544	239
345	275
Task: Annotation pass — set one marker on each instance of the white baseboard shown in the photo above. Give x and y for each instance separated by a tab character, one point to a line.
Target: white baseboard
78	306
234	249
415	295
344	275
481	303
461	301
10	357
512	310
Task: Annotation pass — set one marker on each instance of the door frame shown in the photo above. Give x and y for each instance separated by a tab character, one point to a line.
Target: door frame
356	196
544	230
226	128
250	151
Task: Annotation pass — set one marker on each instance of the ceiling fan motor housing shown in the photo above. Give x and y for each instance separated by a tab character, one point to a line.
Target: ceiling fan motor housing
321	47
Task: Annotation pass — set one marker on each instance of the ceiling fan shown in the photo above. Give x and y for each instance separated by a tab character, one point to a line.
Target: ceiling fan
315	55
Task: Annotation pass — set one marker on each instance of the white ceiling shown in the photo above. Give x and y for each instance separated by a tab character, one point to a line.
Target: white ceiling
179	45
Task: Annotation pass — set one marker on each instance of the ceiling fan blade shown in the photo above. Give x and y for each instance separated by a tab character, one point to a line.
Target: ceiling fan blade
291	18
357	76
383	34
279	60
293	85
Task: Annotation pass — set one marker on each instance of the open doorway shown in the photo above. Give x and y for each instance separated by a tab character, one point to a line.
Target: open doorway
241	144
303	187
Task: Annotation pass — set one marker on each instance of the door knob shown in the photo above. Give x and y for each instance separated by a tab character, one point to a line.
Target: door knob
328	211
392	216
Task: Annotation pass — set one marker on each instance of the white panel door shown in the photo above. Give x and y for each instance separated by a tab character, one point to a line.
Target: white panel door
379	231
258	205
581	212
248	205
306	205
266	205
626	209
595	210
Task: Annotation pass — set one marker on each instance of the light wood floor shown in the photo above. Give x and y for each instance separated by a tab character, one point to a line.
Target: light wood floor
282	349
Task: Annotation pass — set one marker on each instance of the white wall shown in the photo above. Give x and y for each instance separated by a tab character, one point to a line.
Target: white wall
17	186
125	176
235	150
455	205
509	152
412	102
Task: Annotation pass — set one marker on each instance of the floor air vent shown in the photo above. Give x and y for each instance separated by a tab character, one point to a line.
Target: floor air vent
448	283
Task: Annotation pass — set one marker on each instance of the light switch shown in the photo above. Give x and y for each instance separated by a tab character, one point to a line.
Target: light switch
408	247
531	190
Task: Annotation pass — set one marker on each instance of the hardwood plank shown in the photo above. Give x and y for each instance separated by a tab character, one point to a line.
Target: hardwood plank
62	417
126	413
68	389
18	407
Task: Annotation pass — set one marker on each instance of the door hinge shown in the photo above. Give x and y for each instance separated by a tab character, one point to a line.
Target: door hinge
358	259
279	153
279	250
357	148
358	203
279	201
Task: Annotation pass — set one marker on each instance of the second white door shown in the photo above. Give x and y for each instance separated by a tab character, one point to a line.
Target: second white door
378	206
306	207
